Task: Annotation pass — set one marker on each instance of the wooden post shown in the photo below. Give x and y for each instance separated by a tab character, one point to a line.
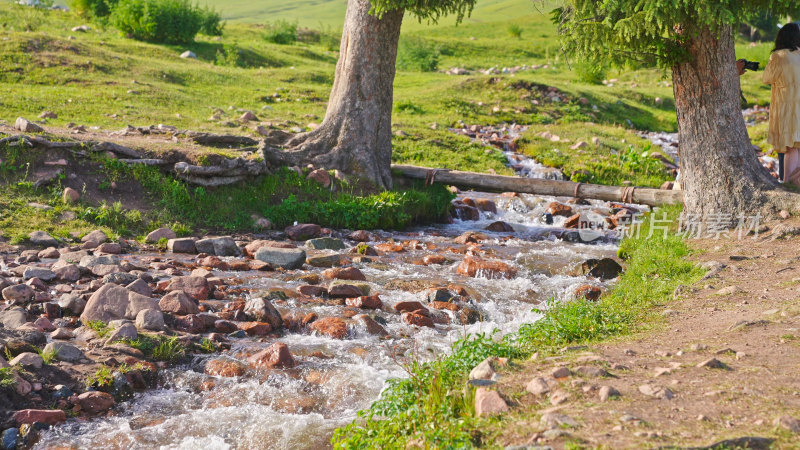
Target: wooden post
500	183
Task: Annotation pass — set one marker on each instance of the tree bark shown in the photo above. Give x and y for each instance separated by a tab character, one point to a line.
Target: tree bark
720	173
356	134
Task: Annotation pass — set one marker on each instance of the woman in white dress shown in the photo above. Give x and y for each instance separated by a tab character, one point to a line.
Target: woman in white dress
783	74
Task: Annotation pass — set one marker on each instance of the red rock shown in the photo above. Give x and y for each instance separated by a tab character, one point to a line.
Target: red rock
312	291
559	209
48	416
225	326
225	367
253	247
303	232
471	237
68	272
500	227
434	259
484	204
408	306
49	253
110	248
320	176
178	302
197	287
390	247
417	319
308	318
239	266
95	402
473	266
444	305
361	236
330	326
344	273
345	291
573	222
190	324
44	325
256	328
591	293
276	356
469	202
260	266
213	262
466	212
364	302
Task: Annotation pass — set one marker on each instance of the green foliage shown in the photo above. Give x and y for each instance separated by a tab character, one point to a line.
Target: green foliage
592	72
431	404
651	32
228	55
415	54
48	356
101	328
7	378
514	30
434	406
281	32
160	348
207	346
164	21
430	10
115	217
103	377
408	107
93	8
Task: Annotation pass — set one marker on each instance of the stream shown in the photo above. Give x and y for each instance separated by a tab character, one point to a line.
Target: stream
335	378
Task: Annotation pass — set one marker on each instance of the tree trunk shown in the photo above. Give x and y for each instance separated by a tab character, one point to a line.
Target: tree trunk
720	173
356	135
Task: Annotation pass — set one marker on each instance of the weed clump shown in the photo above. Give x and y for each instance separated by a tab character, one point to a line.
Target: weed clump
164	21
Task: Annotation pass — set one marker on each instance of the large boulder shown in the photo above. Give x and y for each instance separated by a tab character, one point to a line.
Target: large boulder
197	287
261	309
64	351
95	402
156	235
221	246
38	272
286	258
150	319
473	266
276	356
17	294
42	239
178	302
604	269
45	416
182	245
13	318
91	261
72	303
325	243
96	236
333	327
303	232
112	302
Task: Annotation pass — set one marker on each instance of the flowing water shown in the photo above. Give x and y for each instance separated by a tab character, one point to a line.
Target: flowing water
300	407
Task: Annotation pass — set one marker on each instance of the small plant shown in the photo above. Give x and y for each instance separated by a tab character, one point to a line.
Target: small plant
162	244
227	56
414	54
101	328
7	378
48	356
207	346
281	32
409	107
514	30
591	72
102	377
169	350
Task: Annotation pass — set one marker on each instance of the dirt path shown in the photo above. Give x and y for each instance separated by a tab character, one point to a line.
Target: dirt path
725	365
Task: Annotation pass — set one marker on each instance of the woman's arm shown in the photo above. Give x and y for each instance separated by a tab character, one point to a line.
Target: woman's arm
773	69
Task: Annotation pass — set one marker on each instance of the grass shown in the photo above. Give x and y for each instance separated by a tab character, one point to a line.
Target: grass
159	348
433	407
101	328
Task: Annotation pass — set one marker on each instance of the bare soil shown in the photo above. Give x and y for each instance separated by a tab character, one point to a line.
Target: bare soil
744	314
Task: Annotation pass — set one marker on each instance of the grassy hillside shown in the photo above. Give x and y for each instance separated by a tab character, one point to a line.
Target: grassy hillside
102	79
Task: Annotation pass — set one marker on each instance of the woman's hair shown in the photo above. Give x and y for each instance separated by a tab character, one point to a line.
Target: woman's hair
788	38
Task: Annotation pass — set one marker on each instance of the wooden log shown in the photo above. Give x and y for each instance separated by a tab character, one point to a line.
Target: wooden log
500	183
118	149
222	139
